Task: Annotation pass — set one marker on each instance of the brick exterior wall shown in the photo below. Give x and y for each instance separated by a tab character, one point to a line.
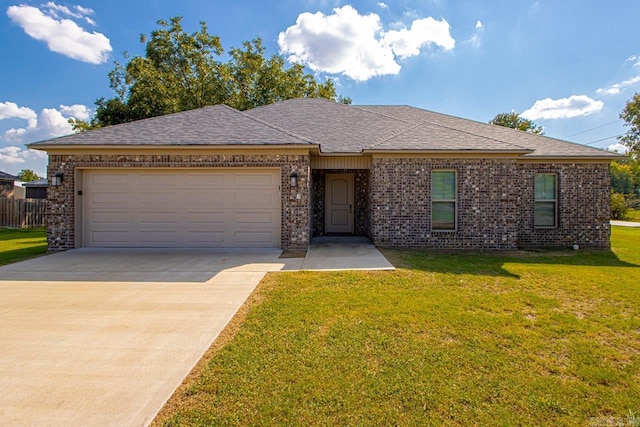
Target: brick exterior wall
495	204
583	205
295	212
495	208
361	200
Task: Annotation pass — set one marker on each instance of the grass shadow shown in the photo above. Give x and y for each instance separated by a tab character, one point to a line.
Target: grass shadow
493	263
16	255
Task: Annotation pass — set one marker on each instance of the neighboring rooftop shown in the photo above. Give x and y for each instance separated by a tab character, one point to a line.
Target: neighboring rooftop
333	127
38	183
7	177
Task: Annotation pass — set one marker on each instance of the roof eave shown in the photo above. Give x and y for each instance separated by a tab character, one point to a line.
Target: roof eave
609	158
515	153
204	146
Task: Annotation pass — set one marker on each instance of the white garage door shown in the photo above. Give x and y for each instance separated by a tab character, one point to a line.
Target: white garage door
181	208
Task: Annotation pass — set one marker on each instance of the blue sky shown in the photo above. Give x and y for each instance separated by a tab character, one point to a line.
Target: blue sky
569	65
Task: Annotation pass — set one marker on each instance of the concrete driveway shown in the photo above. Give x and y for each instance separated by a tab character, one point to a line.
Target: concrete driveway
103	337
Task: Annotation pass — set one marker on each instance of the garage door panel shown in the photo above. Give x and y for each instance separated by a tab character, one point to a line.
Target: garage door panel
253	237
212	180
201	237
216	217
149	180
251	199
109	238
169	217
154	198
109	198
111	217
169	208
243	217
253	180
110	178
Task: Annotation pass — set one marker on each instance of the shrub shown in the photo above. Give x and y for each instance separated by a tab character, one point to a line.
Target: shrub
618	206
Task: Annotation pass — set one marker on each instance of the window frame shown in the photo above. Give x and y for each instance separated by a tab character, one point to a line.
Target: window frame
454	201
554	200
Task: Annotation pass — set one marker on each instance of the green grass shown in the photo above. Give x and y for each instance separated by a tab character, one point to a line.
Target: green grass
18	245
632	215
448	339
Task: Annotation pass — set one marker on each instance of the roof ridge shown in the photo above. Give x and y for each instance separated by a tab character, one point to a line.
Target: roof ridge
363	107
509	144
271	125
478	135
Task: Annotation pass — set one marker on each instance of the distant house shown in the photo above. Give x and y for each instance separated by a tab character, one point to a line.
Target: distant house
281	174
6	184
36	189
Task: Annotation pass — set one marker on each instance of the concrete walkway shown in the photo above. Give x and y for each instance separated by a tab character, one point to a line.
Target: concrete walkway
103	337
344	253
625	223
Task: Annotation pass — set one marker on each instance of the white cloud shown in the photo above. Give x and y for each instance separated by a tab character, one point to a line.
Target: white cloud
383	5
77	111
564	108
357	46
10	110
407	42
476	38
616	88
11	155
618	148
13	159
50	123
62	35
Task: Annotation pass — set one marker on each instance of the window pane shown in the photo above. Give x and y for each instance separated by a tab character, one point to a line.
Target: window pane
545	214
443	216
545	187
443	185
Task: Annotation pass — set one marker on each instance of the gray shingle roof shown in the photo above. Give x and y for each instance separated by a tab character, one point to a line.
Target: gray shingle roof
216	125
7	177
334	127
541	146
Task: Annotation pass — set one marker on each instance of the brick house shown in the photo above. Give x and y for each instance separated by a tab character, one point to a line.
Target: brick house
281	174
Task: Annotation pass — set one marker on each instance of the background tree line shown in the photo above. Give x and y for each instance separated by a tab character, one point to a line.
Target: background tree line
183	71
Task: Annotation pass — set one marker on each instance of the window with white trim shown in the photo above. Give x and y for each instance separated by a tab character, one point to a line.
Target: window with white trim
546	200
443	200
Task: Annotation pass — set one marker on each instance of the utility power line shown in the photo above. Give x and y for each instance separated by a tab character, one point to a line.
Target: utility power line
603	139
589	130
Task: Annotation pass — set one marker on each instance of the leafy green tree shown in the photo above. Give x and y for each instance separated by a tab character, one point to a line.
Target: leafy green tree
513	120
182	71
631	115
253	80
27	175
623	179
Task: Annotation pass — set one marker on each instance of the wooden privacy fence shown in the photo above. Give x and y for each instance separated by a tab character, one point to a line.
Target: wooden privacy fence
23	213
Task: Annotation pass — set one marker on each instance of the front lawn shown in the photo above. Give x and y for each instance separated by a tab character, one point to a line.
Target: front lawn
526	338
632	215
20	244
